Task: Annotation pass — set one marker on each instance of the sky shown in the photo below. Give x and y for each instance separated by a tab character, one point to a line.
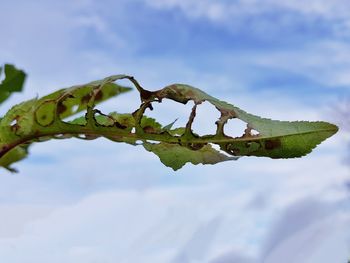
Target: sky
98	201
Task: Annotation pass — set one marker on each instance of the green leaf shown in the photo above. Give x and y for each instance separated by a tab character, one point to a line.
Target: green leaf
285	140
275	139
42	119
13	81
14	155
176	156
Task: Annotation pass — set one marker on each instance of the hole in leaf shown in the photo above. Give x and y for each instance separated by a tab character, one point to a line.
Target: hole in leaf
126	102
13	122
168	111
254	132
104	101
217	147
69	107
87	136
204	122
14	125
133	130
62	136
75	108
151	141
138	142
235	127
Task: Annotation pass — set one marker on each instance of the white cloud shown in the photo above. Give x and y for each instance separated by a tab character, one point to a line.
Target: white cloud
310	232
14	217
254	16
324	62
176	225
223	10
329	9
124	226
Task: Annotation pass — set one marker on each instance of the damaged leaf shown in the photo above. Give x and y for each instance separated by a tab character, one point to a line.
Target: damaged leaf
43	118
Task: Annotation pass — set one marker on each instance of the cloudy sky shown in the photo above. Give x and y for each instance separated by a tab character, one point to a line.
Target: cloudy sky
97	201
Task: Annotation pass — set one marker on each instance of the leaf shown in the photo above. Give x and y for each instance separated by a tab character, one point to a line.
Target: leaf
169	126
176	156
14	155
276	139
14	79
13	82
42	119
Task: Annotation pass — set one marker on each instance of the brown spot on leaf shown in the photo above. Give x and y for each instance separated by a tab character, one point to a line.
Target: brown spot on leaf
226	115
61	107
14	128
196	146
4	148
149	129
272	144
98	95
85	99
120	126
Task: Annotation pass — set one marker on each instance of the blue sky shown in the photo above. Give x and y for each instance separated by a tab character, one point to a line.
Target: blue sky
99	201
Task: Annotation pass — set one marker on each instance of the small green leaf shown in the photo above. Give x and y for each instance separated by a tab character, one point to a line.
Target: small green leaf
14	155
14	79
169	126
176	156
13	82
